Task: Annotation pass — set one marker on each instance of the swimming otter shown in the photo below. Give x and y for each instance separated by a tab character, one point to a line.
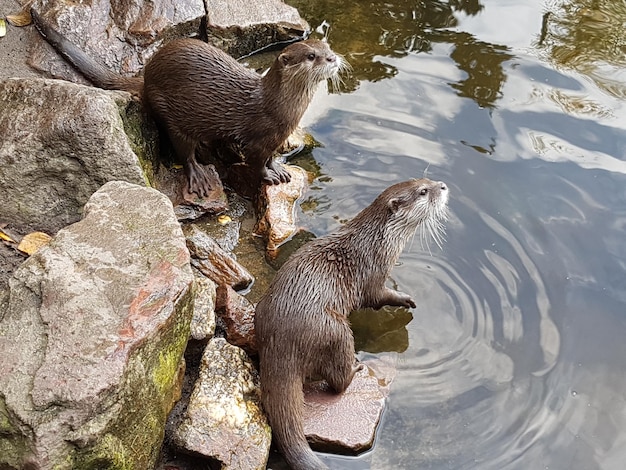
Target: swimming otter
199	93
301	323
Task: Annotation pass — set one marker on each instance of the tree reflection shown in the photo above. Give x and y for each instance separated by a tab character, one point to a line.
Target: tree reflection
366	32
588	36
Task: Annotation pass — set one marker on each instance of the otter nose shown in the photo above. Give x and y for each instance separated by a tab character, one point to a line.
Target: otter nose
443	186
331	58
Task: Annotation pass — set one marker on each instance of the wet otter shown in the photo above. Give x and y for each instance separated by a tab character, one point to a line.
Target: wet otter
199	93
301	322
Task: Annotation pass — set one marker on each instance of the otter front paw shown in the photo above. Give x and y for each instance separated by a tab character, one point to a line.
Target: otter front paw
275	173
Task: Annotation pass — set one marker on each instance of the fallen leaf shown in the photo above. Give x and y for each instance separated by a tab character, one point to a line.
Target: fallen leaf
224	219
3	28
5	237
33	242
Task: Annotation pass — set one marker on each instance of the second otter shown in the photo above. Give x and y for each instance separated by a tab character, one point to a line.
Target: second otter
301	323
201	94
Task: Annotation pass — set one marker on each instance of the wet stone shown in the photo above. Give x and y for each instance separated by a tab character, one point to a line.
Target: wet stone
277	202
346	423
236	316
224	420
215	263
203	319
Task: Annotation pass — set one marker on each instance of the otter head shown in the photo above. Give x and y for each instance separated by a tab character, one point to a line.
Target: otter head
311	62
418	203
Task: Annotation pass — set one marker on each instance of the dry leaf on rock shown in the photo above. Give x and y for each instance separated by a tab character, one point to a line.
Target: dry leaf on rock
33	242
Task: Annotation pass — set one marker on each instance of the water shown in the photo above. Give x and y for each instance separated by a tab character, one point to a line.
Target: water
516	354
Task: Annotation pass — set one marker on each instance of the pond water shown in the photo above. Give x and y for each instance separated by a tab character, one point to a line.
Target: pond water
515	357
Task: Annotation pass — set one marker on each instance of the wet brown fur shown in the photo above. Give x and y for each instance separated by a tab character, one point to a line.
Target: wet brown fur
302	322
201	94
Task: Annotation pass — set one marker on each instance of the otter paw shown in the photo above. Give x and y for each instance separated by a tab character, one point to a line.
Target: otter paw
406	301
199	182
277	173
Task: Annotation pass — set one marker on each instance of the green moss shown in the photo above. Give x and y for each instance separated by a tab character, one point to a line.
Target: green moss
134	441
142	136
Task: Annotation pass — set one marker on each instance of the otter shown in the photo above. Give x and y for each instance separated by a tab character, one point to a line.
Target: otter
198	93
301	322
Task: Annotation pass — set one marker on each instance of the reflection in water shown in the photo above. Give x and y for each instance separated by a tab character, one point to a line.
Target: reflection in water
515	354
588	36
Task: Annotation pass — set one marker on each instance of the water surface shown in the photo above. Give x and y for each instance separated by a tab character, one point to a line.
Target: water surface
516	354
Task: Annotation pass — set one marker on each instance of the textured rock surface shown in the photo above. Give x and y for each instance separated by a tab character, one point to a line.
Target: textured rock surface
278	222
91	337
60	143
241	27
122	35
224	420
203	320
347	423
236	316
213	262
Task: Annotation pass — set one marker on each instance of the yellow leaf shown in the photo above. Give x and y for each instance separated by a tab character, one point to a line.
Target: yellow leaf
5	237
3	28
224	219
33	242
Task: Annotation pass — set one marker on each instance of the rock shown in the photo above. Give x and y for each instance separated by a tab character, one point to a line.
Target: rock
236	316
213	261
346	423
60	143
278	222
92	335
188	206
224	420
203	320
121	35
241	27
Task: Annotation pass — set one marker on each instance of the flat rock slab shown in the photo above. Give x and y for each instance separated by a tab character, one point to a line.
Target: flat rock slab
346	423
224	420
92	336
60	143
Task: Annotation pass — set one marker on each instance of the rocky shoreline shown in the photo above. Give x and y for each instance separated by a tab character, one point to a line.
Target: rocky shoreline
127	342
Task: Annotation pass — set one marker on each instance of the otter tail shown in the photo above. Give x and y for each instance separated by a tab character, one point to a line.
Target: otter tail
97	73
283	400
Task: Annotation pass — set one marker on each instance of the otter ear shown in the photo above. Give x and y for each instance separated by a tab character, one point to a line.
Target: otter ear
394	205
284	58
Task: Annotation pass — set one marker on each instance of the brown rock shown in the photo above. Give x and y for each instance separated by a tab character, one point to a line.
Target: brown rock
278	222
213	261
346	423
236	315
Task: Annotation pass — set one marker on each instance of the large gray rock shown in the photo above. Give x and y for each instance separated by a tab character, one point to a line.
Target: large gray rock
241	27
60	143
224	420
122	35
92	336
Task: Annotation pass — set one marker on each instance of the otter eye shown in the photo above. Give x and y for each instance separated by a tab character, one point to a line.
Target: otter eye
311	56
423	192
